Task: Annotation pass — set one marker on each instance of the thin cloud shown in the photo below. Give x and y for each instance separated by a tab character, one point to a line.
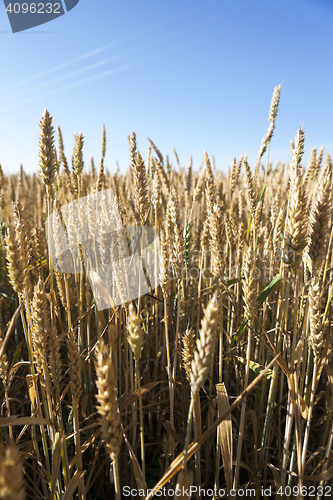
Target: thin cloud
86	80
142	61
113	58
88	68
103	48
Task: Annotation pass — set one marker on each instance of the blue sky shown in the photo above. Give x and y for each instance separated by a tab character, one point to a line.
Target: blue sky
191	74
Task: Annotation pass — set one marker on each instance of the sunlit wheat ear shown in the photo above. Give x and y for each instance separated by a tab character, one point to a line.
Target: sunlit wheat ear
61	288
200	186
274	104
92	169
229	229
188	351
272	117
165	262
46	155
17	271
107	398
216	242
22	228
100	183
209	171
103	142
68	178
168	166
319	160
150	165
238	217
74	361
135	335
210	193
157	151
298	149
316	331
156	191
203	355
189	179
140	188
319	223
275	207
59	235
249	286
249	189
74	234
61	146
78	164
18	241
57	161
132	147
176	156
176	235
297	214
204	236
11	474
163	175
311	166
235	172
39	243
41	327
210	184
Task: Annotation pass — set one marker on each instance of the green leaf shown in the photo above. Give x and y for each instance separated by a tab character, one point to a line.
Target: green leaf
232	281
255	367
261	192
240	330
269	288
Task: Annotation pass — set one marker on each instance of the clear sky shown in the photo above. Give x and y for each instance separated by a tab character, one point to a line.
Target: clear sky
191	74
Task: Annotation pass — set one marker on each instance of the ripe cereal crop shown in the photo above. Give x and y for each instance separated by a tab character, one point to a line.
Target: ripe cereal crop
216	372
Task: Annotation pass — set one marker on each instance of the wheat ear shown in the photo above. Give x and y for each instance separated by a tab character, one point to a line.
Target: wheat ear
140	188
136	340
108	408
297	216
202	361
47	162
188	351
319	222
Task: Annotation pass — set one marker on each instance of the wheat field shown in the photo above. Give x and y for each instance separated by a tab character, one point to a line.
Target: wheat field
216	382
